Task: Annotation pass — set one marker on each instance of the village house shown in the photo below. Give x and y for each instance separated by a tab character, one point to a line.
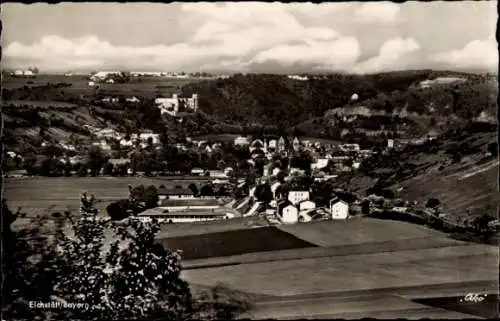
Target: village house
339	209
119	161
306	206
273	144
107	133
241	141
256	144
102	144
296	144
349	147
110	100
287	212
197	172
281	144
295	197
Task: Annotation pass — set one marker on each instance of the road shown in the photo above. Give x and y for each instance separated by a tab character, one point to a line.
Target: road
387	303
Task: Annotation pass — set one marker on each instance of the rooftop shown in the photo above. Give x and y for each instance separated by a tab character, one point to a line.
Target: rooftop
190	202
174	191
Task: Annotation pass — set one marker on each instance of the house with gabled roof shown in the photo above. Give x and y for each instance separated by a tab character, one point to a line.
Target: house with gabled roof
287	212
339	209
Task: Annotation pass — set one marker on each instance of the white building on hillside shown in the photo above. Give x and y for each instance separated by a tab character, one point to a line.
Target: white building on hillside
296	197
339	209
174	105
102	75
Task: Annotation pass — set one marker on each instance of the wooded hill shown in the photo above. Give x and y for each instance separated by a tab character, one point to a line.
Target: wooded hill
276	100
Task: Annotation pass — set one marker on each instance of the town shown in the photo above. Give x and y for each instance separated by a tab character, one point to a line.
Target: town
249	160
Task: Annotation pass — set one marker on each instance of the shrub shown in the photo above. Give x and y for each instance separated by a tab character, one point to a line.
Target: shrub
432	203
139	280
221	302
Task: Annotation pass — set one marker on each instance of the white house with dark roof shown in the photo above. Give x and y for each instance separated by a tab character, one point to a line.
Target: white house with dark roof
287	212
339	209
256	144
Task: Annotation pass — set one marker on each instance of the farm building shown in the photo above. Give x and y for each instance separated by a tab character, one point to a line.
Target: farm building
296	197
287	212
189	204
185	217
177	192
339	209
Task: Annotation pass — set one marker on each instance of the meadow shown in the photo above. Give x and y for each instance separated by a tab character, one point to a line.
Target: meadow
139	86
357	272
229	243
38	194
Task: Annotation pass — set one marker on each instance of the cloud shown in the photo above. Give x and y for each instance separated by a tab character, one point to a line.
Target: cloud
226	34
391	56
377	12
476	54
337	54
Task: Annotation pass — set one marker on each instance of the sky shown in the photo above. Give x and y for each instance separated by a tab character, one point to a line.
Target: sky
351	37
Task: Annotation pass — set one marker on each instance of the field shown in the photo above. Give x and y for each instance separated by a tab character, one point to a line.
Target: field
42	104
358	231
38	194
359	268
140	86
359	254
228	243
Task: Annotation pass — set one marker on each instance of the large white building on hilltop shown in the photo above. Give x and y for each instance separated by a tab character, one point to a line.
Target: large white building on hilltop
173	105
102	75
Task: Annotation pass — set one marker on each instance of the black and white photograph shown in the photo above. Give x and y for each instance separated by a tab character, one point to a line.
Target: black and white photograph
249	160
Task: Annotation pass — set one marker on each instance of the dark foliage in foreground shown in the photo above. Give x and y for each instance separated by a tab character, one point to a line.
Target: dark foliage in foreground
133	277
